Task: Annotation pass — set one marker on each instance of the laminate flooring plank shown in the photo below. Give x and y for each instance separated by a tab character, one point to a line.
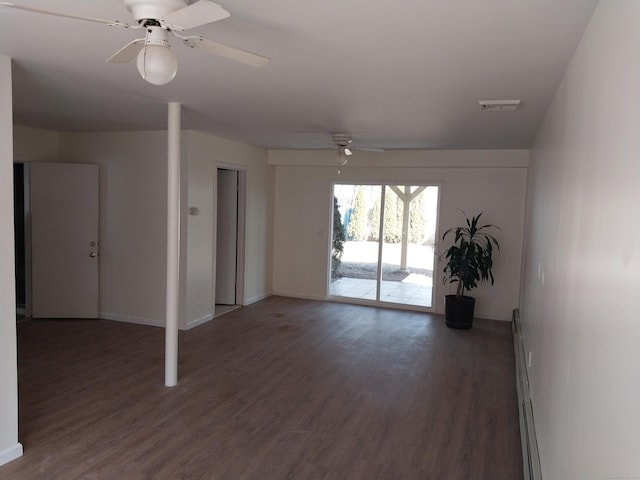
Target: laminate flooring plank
282	389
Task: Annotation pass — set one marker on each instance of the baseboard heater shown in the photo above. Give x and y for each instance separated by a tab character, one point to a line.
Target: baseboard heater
530	455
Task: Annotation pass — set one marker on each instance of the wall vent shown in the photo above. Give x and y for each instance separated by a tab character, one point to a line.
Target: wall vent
499	105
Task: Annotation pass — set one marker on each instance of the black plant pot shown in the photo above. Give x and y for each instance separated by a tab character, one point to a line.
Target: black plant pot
458	311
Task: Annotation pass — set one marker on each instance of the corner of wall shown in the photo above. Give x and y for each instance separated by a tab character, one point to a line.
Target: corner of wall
11	454
9	446
35	144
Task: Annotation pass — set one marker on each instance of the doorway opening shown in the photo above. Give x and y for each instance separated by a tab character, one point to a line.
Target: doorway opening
230	240
383	243
20	209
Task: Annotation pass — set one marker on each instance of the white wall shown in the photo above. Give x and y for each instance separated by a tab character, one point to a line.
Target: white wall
34	145
9	446
486	180
206	153
580	313
199	255
133	176
133	205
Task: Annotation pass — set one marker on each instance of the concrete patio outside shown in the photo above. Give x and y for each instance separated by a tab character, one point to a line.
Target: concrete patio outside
413	289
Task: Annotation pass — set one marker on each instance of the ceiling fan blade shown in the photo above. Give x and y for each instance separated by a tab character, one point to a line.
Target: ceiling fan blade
194	15
111	23
232	53
128	52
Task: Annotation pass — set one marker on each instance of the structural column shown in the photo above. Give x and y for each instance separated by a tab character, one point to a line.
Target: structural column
406	198
173	246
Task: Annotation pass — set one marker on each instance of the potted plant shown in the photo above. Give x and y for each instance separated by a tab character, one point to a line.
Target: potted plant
469	262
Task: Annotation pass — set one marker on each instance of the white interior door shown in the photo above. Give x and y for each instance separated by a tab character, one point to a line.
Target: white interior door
227	237
64	240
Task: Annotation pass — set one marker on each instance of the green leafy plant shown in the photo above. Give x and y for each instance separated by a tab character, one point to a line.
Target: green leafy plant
470	258
339	237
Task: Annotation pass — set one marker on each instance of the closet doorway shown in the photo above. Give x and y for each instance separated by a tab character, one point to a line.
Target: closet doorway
230	239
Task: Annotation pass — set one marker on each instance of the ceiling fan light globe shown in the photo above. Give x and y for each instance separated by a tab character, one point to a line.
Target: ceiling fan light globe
157	64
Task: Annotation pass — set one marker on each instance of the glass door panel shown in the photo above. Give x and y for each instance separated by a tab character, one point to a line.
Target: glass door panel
383	243
355	248
407	248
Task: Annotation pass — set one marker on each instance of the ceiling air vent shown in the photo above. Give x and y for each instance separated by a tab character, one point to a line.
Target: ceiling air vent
499	105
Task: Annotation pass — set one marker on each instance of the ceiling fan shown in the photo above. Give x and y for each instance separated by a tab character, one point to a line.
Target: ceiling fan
156	63
342	143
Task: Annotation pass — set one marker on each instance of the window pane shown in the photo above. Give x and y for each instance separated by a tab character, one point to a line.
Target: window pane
407	251
354	273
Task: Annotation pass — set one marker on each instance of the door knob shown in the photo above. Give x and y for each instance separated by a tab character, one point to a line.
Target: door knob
93	254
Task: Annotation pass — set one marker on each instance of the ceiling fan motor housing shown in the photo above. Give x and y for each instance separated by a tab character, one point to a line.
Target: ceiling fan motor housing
341	139
156	35
153	9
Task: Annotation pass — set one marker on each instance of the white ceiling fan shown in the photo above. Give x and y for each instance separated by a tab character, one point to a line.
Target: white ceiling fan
156	62
343	145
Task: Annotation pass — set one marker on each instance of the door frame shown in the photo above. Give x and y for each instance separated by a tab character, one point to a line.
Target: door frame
241	232
26	203
379	303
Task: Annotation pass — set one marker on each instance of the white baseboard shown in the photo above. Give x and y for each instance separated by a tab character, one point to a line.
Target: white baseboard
198	321
257	298
11	454
299	295
131	319
528	439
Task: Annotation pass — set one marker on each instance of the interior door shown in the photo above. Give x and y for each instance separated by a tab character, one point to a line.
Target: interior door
64	240
227	237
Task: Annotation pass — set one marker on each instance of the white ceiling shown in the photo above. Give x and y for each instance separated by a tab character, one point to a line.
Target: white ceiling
402	74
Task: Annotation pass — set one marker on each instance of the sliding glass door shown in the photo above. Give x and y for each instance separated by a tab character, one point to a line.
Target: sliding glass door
383	243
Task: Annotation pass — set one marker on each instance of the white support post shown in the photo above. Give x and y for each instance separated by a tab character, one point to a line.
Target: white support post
173	246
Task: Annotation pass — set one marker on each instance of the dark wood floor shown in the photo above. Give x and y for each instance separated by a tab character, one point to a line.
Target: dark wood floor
283	389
